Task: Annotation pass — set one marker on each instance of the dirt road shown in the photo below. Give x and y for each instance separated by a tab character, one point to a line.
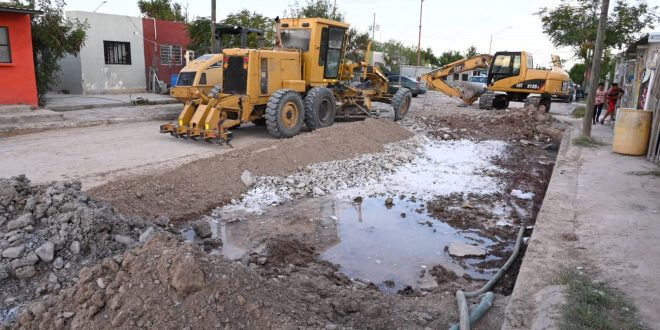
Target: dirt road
96	155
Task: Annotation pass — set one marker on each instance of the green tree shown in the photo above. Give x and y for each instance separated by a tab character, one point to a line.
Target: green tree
161	9
577	73
315	8
471	52
357	44
428	58
199	32
574	24
53	38
449	56
396	54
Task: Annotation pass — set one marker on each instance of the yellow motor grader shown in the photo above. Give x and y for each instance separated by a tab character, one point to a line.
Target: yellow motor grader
511	77
303	79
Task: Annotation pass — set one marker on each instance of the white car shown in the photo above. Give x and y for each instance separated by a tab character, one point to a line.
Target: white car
478	81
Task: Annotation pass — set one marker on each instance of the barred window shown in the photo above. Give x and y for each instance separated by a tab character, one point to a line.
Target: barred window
5	50
117	52
171	55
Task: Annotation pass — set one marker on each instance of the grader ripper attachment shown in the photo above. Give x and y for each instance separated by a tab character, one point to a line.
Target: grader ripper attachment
304	79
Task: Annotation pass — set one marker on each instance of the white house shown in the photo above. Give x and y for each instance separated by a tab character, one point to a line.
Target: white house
112	59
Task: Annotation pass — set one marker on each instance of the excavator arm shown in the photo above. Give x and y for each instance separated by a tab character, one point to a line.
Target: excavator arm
467	92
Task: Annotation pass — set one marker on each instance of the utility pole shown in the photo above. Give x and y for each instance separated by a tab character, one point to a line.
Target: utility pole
419	37
595	70
373	29
213	41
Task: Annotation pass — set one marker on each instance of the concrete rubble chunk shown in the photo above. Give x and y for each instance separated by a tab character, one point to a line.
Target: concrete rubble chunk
58	263
124	240
13	252
248	178
25	272
318	191
46	251
460	249
146	235
75	247
20	222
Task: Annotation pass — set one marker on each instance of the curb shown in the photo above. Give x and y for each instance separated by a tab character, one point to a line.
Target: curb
63	108
544	257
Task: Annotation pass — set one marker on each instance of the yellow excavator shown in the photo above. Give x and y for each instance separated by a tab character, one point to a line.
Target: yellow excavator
511	77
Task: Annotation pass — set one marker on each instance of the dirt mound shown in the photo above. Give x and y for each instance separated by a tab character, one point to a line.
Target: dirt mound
197	187
515	123
170	284
49	232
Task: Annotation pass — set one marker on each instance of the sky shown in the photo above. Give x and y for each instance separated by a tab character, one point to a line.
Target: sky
446	25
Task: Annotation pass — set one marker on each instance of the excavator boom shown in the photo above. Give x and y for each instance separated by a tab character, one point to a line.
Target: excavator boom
467	92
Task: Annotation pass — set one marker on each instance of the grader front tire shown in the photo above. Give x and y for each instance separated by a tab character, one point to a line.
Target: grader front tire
284	114
401	103
320	108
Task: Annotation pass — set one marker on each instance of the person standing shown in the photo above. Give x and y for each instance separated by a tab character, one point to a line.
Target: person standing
613	96
599	102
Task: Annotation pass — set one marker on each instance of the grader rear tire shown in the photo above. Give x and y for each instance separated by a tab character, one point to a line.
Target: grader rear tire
284	114
401	103
320	108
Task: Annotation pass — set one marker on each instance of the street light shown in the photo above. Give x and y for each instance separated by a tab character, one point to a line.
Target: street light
99	6
494	34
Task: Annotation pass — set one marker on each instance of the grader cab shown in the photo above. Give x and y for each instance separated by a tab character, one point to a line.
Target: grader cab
303	79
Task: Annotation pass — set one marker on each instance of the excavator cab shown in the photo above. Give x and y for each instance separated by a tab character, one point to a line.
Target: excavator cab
509	64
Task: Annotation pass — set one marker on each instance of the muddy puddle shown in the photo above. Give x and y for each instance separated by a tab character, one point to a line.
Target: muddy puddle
393	245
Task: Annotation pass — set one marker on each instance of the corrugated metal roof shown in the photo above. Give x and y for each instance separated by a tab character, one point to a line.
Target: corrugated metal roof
9	8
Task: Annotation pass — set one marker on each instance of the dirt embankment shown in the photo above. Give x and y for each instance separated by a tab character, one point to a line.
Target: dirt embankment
197	187
167	284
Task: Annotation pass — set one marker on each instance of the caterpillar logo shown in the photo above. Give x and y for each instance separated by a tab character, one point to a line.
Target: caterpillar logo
535	84
458	68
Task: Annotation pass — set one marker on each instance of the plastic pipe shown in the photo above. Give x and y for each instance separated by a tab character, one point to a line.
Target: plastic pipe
479	311
465	319
502	270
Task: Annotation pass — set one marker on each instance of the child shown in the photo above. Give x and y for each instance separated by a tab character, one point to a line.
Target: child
613	95
598	104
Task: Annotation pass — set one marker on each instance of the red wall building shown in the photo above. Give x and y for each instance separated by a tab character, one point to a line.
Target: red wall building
165	45
17	78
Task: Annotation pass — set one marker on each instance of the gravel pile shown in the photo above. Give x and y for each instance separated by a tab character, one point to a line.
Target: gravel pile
48	233
323	178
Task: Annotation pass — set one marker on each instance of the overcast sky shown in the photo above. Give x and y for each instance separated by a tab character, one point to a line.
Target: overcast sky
446	25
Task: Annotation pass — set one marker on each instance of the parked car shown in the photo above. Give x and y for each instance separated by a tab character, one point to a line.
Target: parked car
397	81
478	81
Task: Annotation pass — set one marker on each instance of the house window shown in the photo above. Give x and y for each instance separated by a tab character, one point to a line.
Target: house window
171	55
117	52
464	77
5	51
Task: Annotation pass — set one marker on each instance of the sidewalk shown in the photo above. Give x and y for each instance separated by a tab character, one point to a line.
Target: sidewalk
25	121
68	102
597	217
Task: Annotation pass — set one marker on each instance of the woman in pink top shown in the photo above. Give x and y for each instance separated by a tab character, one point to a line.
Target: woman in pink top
600	101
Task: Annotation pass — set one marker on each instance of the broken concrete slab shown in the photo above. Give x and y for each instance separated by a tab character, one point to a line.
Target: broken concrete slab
460	249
